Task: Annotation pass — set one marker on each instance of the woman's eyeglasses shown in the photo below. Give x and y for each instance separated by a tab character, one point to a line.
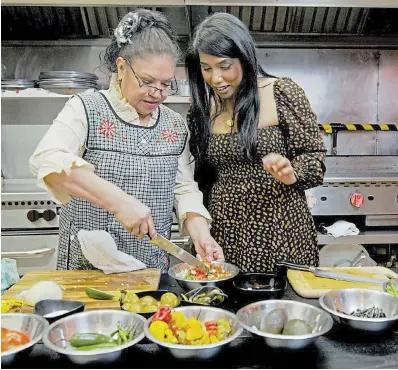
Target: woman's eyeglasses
164	92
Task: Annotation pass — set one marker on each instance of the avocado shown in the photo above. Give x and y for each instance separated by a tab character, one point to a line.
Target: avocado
296	327
274	321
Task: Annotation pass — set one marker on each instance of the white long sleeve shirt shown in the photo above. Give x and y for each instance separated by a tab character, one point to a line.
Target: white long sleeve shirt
63	145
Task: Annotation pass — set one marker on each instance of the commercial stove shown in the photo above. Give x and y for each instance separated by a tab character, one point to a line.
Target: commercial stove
360	183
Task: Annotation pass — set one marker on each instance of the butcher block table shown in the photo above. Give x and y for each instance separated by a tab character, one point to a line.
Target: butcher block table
73	283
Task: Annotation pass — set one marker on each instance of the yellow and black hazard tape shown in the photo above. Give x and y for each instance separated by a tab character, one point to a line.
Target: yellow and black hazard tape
330	127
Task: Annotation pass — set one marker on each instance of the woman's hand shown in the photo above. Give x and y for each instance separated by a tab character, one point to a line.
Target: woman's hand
135	217
280	168
205	246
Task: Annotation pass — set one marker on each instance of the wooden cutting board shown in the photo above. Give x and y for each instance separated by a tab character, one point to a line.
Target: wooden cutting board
73	283
307	285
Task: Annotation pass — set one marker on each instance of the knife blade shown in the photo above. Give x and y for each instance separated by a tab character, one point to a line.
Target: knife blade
346	277
177	251
331	274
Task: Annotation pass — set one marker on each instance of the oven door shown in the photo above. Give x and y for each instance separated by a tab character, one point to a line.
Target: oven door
31	250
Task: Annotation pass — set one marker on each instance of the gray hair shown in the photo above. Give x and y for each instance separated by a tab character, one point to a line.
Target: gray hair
139	34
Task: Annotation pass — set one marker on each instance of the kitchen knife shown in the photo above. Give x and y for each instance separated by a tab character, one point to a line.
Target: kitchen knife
178	252
332	274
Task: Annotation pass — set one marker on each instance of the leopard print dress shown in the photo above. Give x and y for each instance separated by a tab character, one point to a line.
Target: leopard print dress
257	219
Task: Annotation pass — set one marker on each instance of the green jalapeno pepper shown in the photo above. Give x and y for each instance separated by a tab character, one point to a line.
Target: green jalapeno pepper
96	346
89	339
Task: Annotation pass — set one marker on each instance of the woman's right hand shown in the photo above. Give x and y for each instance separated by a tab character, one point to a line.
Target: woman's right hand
135	217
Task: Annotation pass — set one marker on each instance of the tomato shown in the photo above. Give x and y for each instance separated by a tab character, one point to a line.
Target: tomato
163	314
12	338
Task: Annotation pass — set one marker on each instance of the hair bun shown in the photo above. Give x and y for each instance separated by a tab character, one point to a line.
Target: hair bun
136	21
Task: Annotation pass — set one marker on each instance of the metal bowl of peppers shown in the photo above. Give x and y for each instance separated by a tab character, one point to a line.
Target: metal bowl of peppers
94	336
192	332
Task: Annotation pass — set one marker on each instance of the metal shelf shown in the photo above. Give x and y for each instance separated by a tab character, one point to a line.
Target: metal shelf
367	237
300	3
34	93
92	2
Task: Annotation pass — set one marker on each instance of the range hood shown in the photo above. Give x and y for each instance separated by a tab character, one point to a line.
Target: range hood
93	19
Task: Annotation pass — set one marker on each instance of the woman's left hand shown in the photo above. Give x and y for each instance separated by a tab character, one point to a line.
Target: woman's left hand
207	248
280	168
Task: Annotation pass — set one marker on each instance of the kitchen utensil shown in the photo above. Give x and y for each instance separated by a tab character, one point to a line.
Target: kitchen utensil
344	255
56	337
199	352
32	325
251	315
55	309
348	300
176	251
331	274
307	285
187	284
203	290
157	294
251	287
74	282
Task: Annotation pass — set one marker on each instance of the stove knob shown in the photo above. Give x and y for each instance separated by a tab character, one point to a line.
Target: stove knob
357	200
33	216
49	215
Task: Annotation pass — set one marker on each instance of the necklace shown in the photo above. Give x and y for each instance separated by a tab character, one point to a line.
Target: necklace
229	122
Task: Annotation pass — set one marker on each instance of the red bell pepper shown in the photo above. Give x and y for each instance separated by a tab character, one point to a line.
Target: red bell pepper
211	326
163	314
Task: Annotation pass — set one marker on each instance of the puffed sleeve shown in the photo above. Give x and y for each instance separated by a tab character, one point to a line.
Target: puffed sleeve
305	146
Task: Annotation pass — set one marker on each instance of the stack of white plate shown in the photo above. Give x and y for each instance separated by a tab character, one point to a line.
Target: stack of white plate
17	84
67	81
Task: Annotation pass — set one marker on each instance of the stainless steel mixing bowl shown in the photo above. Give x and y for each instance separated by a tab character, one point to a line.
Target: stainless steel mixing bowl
200	352
193	284
31	325
251	315
56	336
348	300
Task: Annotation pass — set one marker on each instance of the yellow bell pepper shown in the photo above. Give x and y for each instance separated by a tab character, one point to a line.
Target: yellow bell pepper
205	339
213	339
194	333
158	329
169	337
178	319
193	323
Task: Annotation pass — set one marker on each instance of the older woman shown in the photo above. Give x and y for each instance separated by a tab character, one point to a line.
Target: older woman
117	159
257	147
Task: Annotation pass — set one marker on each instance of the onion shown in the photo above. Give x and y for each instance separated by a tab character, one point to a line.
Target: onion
42	290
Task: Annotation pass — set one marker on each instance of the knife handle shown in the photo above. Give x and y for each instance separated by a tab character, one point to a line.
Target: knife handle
294	266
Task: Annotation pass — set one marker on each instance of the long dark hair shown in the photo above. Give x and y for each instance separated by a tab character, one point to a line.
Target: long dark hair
223	35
